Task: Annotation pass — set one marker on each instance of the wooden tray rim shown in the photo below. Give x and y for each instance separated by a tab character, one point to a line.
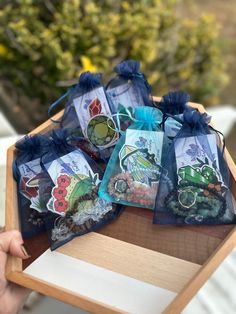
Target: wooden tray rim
14	265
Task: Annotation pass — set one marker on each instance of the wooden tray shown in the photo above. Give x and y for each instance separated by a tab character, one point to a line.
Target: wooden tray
164	266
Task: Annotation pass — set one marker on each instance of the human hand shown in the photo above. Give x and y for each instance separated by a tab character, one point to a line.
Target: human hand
12	296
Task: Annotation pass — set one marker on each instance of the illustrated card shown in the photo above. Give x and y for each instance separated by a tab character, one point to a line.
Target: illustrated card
73	178
140	159
31	168
197	156
95	118
31	176
141	155
71	164
151	140
124	96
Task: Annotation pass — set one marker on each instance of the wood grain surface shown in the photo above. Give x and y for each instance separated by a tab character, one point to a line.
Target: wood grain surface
131	260
192	244
11	212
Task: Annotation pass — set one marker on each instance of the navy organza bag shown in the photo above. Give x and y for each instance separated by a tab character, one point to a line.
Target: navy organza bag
89	109
128	90
74	203
32	188
87	82
195	182
172	105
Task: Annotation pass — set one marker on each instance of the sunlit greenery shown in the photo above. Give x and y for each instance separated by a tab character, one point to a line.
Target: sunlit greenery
43	43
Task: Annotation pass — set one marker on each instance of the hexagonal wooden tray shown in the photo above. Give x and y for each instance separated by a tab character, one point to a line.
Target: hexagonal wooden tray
176	258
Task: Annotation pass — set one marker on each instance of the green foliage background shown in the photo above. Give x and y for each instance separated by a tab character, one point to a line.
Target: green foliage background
45	42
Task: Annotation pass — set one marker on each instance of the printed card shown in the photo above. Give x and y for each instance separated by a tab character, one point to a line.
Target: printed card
31	168
73	178
124	96
29	186
139	161
95	118
141	155
72	164
197	159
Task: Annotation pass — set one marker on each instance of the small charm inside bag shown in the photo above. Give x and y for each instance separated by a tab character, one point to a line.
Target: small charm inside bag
133	171
195	182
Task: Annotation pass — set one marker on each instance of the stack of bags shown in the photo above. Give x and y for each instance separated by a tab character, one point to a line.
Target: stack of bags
115	147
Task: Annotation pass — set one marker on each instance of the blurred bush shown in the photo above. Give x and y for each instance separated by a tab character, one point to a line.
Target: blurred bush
45	43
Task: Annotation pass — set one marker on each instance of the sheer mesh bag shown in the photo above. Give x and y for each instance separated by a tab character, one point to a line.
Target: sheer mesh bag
194	185
74	207
133	171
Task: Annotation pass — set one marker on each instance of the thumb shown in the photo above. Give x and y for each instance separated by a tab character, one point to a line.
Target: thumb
11	242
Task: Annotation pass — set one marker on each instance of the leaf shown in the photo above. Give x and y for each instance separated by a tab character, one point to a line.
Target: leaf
90	176
200	162
82	187
214	164
95	178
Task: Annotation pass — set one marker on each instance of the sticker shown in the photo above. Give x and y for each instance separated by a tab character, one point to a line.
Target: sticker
197	156
124	95
150	140
140	159
73	178
93	113
101	131
200	185
34	184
